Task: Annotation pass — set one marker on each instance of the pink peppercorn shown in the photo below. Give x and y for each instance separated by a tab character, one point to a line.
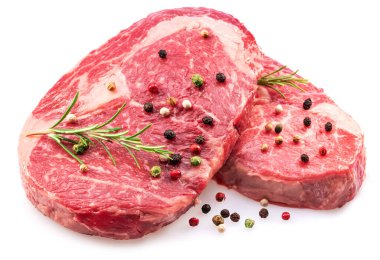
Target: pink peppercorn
220	196
195	149
285	215
322	151
193	222
152	88
175	174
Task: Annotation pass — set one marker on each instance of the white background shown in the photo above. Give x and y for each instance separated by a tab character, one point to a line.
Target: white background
334	44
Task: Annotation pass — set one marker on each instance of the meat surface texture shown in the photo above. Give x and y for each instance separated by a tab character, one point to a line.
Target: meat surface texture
123	201
336	166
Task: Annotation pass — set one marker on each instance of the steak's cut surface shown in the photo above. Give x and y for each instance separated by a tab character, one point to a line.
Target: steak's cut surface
125	202
278	174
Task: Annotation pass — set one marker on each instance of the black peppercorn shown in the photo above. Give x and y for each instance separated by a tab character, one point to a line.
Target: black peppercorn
200	139
305	158
307	121
278	128
169	134
235	217
207	120
307	104
263	213
162	54
225	213
220	77
175	159
328	126
206	208
148	107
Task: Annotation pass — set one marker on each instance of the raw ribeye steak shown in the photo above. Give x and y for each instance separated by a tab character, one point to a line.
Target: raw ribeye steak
320	163
123	201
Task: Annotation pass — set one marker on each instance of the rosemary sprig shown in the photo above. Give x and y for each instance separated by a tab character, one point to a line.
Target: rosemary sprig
271	81
82	138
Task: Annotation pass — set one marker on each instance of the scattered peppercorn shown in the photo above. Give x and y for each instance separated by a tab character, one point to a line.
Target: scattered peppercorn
264	148
328	126
220	77
175	159
197	80
248	223
279	140
322	151
221	228
296	139
111	86
169	134
83	168
304	158
163	159
152	88
217	220
307	104
235	217
263	213
264	202
206	208
207	120
307	121
204	33
186	104
164	111
195	161
72	118
278	109
193	222
220	196
148	107
268	127
285	215
200	139
162	54
278	128
195	149
225	213
172	101
155	171
175	174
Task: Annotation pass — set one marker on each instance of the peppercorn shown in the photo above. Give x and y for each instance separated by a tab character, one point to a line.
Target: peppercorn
79	149
72	119
175	174
195	149
152	88
175	159
155	171
200	139
279	140
162	54
263	213
164	111
197	80
304	158
186	104
217	219
172	101
264	202
268	127
235	217
278	109
278	128
322	151
207	120
248	223
220	196
195	161
169	134
220	77
163	159
225	213
328	126
307	104
285	215
83	168
111	86
148	107
296	139
221	228
264	148
193	222
307	121
206	208
204	33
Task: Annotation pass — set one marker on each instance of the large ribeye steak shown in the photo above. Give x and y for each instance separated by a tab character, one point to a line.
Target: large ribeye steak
320	163
123	201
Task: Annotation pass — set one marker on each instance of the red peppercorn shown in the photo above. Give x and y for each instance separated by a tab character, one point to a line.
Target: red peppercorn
175	174
152	88
322	151
285	215
195	148
193	222
220	196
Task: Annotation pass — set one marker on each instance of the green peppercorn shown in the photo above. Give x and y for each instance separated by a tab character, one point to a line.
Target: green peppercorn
235	217
217	220
79	149
249	223
197	80
195	160
155	171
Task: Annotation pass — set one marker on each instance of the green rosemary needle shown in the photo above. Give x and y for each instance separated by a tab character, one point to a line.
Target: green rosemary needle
82	138
290	79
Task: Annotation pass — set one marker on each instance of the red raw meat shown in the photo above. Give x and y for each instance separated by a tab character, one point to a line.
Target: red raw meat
278	174
124	202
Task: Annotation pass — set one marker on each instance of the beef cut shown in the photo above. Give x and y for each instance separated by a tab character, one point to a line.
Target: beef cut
123	201
320	163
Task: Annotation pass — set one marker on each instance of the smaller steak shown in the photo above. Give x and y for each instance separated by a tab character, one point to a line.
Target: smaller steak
322	170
